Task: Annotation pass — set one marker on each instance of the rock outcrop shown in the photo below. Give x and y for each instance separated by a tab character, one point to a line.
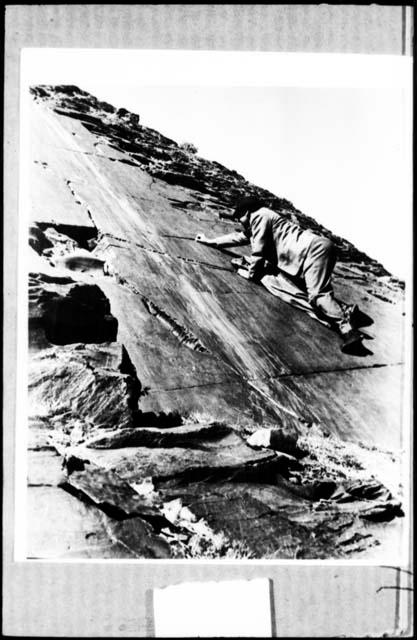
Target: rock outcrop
175	409
63	311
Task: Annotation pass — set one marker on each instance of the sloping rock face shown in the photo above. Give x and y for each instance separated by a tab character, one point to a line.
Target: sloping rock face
152	364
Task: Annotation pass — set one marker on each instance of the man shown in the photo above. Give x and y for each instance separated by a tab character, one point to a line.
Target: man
293	263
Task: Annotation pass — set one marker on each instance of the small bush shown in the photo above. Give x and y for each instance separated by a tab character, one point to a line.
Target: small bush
189	148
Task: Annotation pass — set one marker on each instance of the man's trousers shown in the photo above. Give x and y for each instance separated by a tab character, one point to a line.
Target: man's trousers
312	289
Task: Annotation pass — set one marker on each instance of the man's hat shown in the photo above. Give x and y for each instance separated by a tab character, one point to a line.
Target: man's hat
248	205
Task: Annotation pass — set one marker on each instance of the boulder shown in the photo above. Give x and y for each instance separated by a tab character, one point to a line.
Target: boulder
278	440
194	436
227	457
87	386
107	491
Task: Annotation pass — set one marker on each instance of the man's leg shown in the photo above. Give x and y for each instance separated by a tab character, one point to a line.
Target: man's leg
317	273
293	292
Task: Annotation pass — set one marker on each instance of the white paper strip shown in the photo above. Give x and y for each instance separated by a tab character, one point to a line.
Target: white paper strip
232	608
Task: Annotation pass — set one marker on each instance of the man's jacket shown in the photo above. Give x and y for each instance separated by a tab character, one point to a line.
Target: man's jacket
277	240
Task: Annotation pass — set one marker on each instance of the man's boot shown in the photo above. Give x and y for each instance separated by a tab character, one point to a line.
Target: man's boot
355	316
350	339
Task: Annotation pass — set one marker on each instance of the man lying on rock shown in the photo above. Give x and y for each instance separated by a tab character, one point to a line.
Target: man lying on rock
294	264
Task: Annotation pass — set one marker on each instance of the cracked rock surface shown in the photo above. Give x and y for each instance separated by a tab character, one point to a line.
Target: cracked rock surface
175	409
84	384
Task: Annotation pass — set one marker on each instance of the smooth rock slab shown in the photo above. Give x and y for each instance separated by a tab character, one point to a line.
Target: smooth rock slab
137	536
44	468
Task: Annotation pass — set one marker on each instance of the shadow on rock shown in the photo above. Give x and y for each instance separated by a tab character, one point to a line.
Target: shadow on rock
358	349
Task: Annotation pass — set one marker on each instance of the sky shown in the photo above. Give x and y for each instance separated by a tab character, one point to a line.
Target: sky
330	133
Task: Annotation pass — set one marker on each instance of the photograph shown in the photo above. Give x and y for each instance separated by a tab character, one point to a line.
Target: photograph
208	321
214	299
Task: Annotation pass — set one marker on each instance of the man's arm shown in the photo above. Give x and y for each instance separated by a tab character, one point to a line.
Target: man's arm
259	240
229	239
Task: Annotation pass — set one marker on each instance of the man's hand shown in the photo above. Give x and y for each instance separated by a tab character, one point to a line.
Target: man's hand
241	267
201	237
237	262
244	273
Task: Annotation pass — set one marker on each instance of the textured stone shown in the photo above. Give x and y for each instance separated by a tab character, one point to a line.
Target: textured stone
278	440
194	436
92	386
109	493
38	240
63	311
228	457
137	536
360	490
272	522
40	434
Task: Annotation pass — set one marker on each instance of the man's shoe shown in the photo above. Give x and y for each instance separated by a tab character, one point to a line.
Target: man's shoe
238	263
356	317
350	340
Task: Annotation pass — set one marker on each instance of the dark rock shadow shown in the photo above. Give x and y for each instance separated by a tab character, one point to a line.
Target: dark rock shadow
69	312
85	237
160	420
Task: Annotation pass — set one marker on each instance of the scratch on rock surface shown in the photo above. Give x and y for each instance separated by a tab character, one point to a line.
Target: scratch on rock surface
79	201
179	332
164	253
185	337
304	374
272	401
